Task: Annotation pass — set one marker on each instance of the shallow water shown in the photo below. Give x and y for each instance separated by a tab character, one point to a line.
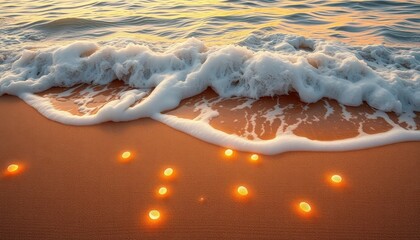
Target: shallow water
120	61
392	23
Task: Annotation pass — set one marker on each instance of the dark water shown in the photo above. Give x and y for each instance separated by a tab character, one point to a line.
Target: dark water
392	23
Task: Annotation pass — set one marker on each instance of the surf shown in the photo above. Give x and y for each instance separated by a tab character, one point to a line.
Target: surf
155	82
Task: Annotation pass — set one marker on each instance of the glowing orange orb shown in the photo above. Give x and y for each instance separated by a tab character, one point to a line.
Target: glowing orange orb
243	191
168	172
228	152
154	214
304	206
336	178
126	155
254	157
162	191
12	168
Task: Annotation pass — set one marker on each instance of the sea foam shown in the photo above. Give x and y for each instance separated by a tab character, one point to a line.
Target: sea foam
387	79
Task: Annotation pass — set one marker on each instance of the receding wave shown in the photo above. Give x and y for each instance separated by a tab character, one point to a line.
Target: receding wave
157	81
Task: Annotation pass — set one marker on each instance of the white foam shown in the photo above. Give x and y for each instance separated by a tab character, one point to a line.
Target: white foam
346	114
284	143
206	113
330	110
386	79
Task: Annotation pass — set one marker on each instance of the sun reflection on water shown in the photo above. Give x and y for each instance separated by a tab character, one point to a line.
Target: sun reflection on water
175	20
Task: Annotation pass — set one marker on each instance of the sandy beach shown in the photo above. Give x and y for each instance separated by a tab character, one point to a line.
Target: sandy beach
73	185
233	119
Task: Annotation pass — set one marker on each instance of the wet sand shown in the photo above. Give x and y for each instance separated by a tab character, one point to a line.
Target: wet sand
74	186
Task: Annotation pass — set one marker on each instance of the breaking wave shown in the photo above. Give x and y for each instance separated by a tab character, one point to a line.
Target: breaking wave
159	78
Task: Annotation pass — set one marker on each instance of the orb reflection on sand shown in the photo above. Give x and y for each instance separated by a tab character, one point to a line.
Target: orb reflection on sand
242	190
168	172
163	191
154	214
254	157
305	207
228	152
12	168
126	155
336	178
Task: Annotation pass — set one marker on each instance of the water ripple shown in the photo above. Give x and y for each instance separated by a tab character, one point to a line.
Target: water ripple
304	19
393	22
72	24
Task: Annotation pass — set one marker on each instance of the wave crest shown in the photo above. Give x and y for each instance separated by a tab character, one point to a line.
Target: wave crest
386	79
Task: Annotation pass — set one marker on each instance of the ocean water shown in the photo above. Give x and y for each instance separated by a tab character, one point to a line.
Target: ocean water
125	60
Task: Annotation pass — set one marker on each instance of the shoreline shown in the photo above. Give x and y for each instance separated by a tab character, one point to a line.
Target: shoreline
73	185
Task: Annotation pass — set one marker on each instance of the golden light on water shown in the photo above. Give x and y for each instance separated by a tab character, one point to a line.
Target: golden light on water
228	152
162	191
168	172
154	214
305	207
195	21
254	157
242	190
336	178
12	168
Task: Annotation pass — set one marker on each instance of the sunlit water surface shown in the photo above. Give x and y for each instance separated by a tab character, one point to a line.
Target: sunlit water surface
34	23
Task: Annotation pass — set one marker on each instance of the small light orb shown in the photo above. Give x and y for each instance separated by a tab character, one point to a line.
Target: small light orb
162	191
202	200
254	157
336	178
12	168
228	152
126	155
168	172
154	214
304	206
243	191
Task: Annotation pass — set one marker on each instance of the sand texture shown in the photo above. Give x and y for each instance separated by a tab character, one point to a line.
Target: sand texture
74	186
